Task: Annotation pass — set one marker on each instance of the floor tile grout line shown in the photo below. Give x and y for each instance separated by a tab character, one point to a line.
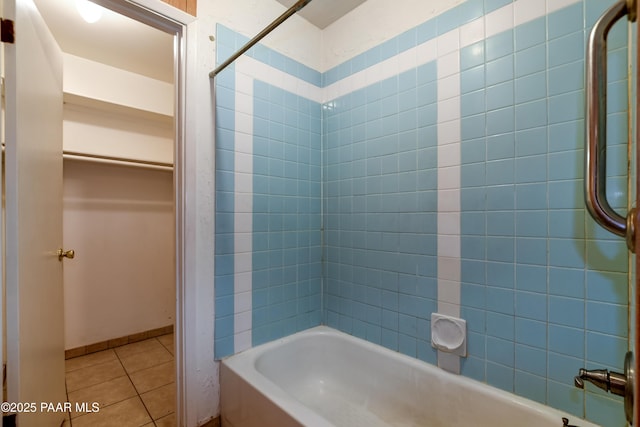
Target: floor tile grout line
113	403
88	366
92	385
66	392
174	382
136	388
107	382
138	394
118	357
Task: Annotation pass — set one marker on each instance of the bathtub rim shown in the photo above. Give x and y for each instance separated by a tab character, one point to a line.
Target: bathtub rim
243	364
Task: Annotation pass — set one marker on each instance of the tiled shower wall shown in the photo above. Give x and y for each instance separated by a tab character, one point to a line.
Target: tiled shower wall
268	197
543	288
380	214
451	162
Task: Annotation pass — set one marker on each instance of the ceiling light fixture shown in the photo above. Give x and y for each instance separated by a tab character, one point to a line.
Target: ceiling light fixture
89	11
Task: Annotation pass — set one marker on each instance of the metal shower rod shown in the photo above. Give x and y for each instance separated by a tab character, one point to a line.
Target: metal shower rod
293	9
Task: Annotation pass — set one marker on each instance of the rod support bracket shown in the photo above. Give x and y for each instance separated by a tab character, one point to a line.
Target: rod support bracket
286	15
632	10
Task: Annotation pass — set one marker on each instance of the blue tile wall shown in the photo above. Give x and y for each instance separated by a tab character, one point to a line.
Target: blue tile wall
380	208
286	213
544	290
530	251
286	237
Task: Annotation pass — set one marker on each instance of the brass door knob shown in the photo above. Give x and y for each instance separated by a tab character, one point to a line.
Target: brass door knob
66	254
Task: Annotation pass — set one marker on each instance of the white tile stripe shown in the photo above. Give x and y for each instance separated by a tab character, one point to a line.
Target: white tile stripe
274	77
247	70
503	19
448	216
446	50
243	213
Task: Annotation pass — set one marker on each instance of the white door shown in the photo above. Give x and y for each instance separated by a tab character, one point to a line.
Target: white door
35	327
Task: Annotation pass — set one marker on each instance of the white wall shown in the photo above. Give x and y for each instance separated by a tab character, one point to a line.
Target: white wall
100	82
374	22
117	133
120	222
296	37
370	24
116	113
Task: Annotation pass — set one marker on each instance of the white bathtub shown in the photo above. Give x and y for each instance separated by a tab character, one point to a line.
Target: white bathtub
322	377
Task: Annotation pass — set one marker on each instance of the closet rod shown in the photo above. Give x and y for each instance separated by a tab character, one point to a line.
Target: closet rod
120	161
293	9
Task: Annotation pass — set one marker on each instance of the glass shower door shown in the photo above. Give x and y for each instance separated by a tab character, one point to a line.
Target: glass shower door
624	383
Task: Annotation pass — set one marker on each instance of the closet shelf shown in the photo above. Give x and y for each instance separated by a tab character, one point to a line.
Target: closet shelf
119	109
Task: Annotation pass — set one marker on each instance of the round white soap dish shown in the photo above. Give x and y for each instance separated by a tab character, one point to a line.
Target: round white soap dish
449	334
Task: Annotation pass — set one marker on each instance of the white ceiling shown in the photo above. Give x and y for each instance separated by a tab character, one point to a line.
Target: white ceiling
114	40
323	13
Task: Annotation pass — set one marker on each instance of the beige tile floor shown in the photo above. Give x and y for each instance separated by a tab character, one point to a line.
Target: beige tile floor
133	384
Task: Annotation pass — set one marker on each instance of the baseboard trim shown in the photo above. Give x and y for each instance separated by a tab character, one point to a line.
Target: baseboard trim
117	342
215	422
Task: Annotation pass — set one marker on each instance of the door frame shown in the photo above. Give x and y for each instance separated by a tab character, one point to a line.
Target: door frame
171	20
634	289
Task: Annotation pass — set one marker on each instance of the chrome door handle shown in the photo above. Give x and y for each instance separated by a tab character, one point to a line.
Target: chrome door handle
66	254
596	119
